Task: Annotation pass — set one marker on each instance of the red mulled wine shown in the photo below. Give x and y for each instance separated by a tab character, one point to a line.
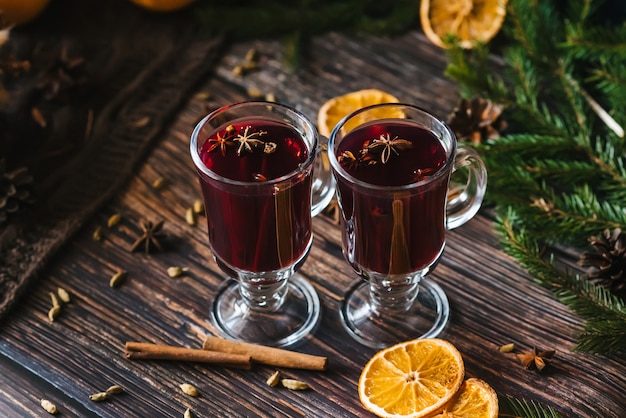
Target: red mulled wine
256	224
392	230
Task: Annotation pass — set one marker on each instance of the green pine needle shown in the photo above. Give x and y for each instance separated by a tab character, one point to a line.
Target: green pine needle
521	408
558	174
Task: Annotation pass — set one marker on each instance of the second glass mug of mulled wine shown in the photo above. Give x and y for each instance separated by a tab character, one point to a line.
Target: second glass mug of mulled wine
393	164
262	180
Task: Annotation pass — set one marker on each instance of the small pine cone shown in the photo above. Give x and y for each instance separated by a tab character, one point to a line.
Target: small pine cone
477	120
607	266
14	190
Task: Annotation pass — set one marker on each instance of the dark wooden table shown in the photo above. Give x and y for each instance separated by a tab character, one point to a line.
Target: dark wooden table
493	301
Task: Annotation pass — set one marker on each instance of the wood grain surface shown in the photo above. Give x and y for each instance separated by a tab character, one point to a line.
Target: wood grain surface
493	301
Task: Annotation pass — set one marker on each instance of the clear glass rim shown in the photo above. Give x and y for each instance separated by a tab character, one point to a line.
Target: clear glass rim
355	181
195	155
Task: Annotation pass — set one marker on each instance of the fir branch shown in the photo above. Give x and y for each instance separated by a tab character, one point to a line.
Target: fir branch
559	174
606	333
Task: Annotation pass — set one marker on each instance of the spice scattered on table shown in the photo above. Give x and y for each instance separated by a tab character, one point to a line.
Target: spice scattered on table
507	348
293	384
159	183
152	233
189	389
114	220
535	358
274	379
190	216
118	278
99	397
175	271
49	407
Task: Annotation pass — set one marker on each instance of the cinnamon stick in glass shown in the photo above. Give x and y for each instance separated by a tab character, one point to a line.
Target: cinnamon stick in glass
267	355
147	351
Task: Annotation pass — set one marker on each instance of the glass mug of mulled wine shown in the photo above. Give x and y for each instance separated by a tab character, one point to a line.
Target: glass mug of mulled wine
262	179
402	181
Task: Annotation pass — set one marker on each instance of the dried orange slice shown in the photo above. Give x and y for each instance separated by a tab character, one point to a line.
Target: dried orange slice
469	20
338	107
411	379
475	399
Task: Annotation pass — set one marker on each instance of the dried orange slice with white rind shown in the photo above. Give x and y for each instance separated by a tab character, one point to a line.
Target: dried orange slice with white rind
475	399
469	20
411	379
338	107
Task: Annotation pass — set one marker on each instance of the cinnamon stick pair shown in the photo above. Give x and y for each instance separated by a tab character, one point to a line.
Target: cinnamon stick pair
227	353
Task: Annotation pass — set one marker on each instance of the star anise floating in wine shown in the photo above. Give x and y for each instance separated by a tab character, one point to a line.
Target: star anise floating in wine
152	233
374	151
245	141
385	146
536	359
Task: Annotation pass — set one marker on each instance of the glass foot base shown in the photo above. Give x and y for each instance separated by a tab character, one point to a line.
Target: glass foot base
297	317
426	318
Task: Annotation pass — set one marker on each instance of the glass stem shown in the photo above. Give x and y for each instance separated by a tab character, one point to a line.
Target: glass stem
263	295
393	296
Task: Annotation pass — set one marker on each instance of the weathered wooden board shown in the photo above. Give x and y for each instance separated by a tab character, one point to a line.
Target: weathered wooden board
493	301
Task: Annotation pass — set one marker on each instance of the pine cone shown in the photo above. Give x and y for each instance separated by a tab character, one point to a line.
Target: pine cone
14	190
477	120
607	266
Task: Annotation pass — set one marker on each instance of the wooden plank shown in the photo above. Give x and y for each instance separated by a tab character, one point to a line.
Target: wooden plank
493	301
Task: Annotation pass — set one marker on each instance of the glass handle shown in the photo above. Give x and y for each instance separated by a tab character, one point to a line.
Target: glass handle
468	184
323	189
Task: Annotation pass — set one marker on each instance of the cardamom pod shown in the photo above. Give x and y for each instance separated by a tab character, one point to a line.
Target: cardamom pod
190	216
198	207
189	389
64	295
117	278
506	348
158	183
55	300
53	313
114	220
293	384
115	390
99	397
48	406
176	271
274	379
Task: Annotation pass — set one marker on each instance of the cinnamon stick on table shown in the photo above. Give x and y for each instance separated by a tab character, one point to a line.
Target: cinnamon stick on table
266	355
147	351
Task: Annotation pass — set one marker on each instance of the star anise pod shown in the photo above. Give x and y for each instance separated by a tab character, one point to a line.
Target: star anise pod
350	162
247	140
477	120
385	145
536	359
607	266
150	237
